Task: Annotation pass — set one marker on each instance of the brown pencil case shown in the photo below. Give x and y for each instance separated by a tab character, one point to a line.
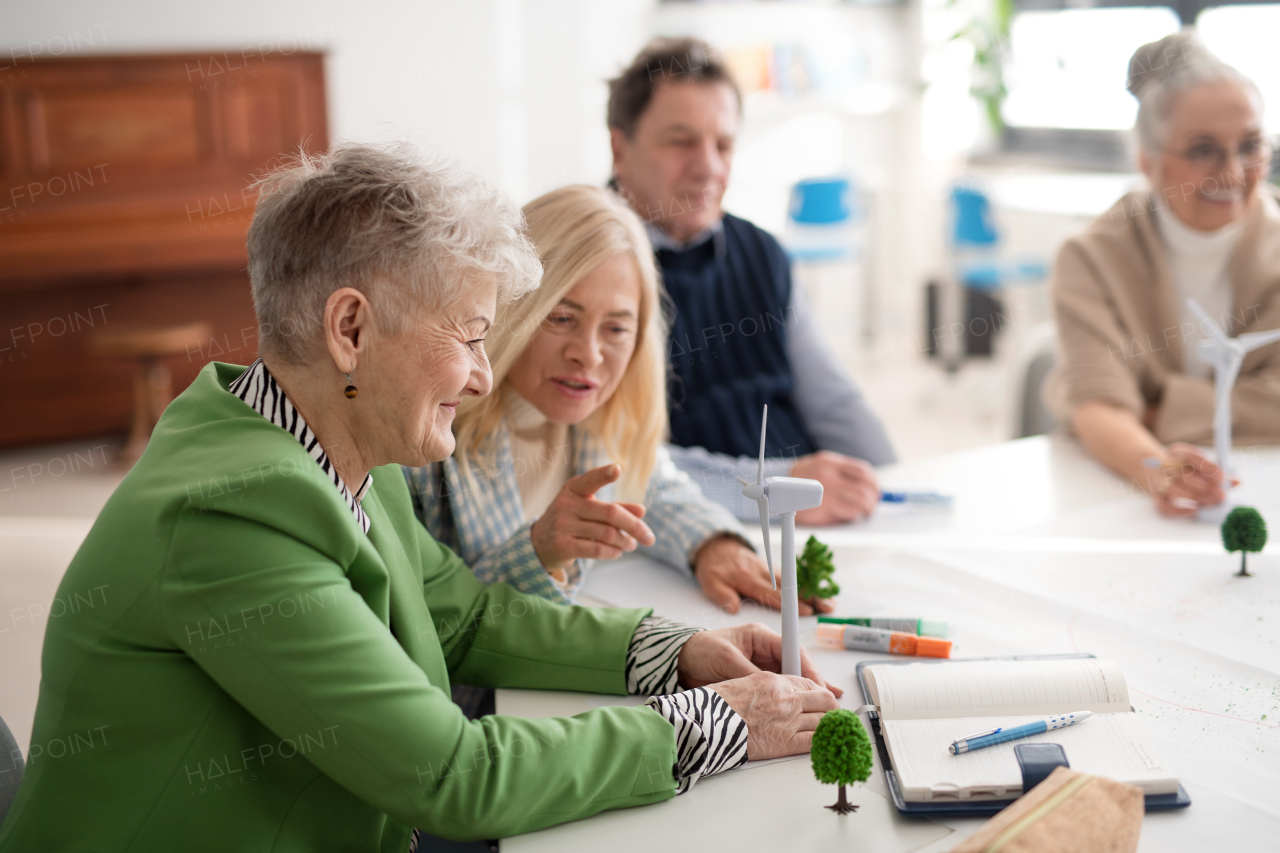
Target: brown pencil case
1069	812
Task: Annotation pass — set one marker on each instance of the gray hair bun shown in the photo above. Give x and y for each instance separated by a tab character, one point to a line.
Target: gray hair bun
1159	60
1161	71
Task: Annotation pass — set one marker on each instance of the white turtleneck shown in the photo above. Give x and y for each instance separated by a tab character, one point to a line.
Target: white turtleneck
1198	263
540	453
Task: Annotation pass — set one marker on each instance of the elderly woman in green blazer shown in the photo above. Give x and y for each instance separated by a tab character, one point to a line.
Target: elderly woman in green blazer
272	670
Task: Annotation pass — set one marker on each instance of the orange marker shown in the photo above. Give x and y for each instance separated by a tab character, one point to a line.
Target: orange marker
880	640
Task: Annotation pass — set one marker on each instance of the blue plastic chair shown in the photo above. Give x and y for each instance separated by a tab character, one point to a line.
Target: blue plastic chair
822	201
973	222
974	233
819	212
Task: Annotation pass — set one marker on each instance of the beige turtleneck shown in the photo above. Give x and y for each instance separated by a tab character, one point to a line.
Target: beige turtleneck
1198	264
540	453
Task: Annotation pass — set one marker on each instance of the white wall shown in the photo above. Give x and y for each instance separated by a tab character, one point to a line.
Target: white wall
514	88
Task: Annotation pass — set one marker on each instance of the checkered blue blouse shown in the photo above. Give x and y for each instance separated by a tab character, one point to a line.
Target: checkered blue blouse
482	518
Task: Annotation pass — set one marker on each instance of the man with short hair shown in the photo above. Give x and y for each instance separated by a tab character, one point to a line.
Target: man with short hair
742	335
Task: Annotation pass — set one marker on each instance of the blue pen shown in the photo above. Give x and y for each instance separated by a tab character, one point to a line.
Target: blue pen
991	737
914	498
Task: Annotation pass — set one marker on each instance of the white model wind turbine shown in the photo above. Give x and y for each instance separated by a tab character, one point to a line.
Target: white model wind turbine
786	496
1225	355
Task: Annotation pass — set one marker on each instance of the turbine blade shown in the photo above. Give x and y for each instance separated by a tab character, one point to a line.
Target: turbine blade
1253	340
1206	322
763	505
764	420
742	481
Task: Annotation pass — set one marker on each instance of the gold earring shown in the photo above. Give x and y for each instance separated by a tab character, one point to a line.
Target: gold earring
350	390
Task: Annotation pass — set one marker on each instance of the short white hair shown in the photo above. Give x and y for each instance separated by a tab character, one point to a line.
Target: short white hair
408	231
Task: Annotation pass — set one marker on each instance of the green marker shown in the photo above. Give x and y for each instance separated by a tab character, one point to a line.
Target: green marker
919	627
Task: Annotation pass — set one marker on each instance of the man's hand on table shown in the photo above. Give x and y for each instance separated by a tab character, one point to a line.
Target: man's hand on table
729	571
849	489
740	664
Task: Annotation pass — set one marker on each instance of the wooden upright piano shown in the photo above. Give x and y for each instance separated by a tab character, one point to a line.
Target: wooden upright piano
124	201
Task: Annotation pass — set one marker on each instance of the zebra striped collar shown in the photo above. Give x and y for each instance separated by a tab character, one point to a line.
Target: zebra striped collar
260	392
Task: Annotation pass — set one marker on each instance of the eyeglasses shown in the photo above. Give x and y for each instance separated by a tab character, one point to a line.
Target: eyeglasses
1209	157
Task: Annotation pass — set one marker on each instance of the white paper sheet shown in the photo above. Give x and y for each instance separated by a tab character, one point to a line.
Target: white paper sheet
939	691
1112	745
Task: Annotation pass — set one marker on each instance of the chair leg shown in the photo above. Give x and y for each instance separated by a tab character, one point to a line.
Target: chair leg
160	388
152	392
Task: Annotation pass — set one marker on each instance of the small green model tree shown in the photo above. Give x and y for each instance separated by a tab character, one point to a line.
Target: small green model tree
841	753
814	569
1244	531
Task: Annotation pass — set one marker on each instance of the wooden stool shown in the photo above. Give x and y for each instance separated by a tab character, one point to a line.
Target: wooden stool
152	383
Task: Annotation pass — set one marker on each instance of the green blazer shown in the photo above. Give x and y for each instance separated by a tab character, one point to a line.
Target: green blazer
244	670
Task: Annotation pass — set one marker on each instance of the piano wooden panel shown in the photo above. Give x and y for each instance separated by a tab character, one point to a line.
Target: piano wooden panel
125	196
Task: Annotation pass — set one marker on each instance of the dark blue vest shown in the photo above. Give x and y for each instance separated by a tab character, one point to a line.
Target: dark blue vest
728	345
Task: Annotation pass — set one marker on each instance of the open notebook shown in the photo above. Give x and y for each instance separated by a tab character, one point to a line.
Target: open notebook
925	707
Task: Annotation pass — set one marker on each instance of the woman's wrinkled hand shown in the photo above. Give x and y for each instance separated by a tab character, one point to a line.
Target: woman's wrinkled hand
709	657
1185	481
577	526
781	711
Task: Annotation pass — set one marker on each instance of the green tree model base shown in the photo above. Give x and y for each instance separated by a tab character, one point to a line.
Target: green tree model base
843	806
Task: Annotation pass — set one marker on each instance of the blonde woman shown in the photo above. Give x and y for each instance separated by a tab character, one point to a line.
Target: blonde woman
564	463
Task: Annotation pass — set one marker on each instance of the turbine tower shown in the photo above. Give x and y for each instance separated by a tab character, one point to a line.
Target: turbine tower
1225	355
785	496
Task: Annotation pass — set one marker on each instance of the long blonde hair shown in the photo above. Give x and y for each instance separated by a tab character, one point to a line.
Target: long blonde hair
575	229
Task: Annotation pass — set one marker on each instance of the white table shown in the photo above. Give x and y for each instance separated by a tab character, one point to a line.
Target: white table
1043	552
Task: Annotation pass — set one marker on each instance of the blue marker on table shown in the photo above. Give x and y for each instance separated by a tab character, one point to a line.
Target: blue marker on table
914	498
991	737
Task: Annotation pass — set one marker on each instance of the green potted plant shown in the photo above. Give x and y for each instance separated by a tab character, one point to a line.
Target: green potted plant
841	754
987	29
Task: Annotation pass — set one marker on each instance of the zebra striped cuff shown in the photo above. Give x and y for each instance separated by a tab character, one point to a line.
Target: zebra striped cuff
653	655
710	736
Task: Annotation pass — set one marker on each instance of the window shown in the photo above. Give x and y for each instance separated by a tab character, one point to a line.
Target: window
1244	36
1069	67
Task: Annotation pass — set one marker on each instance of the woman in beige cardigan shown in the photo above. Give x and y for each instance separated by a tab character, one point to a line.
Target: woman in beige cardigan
1129	380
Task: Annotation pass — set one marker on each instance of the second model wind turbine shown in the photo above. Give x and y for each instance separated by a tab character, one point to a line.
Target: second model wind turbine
785	496
1225	355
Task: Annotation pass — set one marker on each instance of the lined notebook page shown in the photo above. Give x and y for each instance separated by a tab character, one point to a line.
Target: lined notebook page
1112	745
923	691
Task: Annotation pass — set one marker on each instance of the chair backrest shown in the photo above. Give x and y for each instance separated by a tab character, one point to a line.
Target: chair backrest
822	201
1036	417
1033	361
973	224
11	768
